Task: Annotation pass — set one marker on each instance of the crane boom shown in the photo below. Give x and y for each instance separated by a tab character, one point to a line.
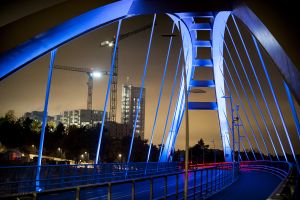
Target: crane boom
141	29
79	69
89	72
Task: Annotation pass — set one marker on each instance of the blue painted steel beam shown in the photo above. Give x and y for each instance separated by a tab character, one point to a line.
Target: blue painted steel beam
250	85
111	71
197	14
202	43
179	108
202	106
160	93
44	123
141	89
200	26
203	63
202	83
217	39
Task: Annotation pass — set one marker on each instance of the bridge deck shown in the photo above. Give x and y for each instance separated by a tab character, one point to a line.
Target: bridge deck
250	185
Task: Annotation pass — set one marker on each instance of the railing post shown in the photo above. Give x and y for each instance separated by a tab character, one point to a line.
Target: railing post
34	196
195	185
151	188
132	189
176	186
109	191
206	189
78	193
166	187
201	184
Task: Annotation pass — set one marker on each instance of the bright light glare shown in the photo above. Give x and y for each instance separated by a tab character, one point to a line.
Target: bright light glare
96	74
110	44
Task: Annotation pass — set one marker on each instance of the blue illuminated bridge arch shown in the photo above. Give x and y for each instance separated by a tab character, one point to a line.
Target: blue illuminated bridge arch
14	57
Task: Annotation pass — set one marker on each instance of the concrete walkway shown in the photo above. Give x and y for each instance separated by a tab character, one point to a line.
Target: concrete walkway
251	185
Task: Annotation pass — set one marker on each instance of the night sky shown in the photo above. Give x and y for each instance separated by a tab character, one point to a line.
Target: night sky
25	90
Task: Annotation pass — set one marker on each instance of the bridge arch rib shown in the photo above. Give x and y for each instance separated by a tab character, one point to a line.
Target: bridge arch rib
18	57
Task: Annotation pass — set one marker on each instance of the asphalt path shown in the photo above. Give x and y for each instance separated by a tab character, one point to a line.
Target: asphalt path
250	185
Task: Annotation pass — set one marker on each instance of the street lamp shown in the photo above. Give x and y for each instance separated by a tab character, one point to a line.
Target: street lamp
232	125
107	43
59	151
120	157
96	74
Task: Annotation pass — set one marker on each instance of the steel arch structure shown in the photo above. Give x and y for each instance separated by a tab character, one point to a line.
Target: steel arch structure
183	15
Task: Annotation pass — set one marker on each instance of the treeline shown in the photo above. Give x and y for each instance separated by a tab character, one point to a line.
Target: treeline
73	143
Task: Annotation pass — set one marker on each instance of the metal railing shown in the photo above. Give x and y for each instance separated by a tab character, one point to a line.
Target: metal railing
22	179
203	183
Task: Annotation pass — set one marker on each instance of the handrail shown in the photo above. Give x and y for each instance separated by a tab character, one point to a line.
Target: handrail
216	178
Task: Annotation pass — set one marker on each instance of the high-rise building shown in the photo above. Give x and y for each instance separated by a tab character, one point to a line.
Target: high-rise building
82	117
130	96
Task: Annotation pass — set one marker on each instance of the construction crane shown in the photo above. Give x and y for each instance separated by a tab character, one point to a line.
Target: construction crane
91	74
114	84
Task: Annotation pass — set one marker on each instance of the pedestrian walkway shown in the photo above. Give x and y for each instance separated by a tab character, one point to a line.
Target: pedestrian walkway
250	185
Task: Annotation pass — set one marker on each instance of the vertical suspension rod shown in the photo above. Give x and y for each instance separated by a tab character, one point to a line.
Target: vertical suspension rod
45	115
245	151
170	103
160	93
178	109
276	103
259	86
141	89
243	108
107	92
245	93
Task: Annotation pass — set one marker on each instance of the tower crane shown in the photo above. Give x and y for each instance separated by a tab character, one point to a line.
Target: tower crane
91	74
114	84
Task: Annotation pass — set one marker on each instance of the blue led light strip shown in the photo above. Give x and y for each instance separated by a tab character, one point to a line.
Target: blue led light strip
45	115
259	86
170	103
160	93
246	95
107	92
276	102
141	89
243	108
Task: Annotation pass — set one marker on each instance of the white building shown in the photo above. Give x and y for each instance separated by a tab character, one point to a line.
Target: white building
130	95
82	117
